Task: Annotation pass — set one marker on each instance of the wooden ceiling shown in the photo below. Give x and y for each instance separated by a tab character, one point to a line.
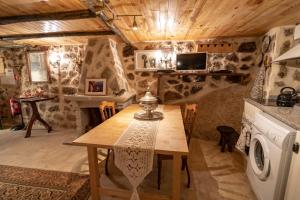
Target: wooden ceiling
13	8
26	7
72	40
196	19
51	26
160	20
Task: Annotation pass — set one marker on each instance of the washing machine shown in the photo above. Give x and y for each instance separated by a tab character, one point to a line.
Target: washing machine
269	157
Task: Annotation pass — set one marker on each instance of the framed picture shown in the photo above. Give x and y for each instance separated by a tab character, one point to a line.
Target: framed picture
2	66
147	60
38	66
95	86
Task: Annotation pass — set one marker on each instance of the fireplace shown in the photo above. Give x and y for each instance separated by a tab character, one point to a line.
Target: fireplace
87	112
101	61
93	117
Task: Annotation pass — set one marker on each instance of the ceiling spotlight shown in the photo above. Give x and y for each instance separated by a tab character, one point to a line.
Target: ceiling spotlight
134	25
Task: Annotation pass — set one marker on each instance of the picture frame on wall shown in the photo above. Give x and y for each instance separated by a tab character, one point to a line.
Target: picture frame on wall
95	86
38	67
147	60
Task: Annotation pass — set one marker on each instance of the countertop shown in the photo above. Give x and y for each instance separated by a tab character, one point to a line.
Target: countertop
288	115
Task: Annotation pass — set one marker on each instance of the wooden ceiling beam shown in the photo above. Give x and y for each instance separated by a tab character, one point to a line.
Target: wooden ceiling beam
107	21
54	34
69	15
115	29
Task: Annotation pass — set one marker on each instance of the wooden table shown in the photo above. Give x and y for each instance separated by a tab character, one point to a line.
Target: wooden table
170	140
35	112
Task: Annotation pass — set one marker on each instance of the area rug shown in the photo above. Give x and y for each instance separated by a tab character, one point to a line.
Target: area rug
17	183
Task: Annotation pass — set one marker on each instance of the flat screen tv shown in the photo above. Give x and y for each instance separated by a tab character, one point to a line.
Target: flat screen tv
191	61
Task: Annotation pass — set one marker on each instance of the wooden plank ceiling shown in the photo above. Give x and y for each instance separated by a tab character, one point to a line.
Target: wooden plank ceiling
30	7
27	7
196	19
51	26
160	20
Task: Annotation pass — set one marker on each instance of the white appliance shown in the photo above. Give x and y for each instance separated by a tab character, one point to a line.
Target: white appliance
269	157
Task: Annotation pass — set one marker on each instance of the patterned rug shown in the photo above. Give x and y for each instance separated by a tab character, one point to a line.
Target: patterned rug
17	183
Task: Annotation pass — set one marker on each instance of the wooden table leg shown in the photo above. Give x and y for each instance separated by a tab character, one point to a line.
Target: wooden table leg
94	172
29	127
36	116
49	128
176	177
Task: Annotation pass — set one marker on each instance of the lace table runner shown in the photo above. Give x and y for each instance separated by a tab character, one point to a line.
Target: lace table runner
134	152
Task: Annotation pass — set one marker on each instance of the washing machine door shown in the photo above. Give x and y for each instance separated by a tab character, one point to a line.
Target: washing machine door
259	157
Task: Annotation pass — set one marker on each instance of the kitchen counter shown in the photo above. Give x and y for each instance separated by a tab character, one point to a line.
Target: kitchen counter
288	115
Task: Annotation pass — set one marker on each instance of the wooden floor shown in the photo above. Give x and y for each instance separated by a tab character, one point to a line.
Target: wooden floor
215	175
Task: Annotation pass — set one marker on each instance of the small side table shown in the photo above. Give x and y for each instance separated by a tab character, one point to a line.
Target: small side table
227	137
35	112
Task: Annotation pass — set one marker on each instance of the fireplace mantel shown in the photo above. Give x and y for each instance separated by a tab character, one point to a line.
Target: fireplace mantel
85	101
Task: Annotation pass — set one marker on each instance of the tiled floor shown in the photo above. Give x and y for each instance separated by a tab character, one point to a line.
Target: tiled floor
42	150
226	169
215	175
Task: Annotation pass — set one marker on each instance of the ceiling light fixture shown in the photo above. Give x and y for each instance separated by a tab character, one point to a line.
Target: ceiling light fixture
134	25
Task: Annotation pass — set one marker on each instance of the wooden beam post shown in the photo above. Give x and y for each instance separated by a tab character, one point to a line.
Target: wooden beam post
105	19
69	15
54	34
111	26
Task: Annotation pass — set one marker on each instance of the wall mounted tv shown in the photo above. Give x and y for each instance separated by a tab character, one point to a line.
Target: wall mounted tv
191	61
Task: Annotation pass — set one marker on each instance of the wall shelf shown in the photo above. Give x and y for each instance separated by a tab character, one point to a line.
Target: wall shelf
202	74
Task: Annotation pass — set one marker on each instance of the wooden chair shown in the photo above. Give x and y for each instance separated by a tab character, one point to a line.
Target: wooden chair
107	110
189	116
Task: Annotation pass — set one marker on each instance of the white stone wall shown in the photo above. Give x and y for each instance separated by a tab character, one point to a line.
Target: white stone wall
65	68
241	60
283	74
102	61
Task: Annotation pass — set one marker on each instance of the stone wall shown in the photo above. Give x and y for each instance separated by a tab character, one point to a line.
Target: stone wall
139	80
13	60
189	86
283	74
220	99
102	61
65	69
69	66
